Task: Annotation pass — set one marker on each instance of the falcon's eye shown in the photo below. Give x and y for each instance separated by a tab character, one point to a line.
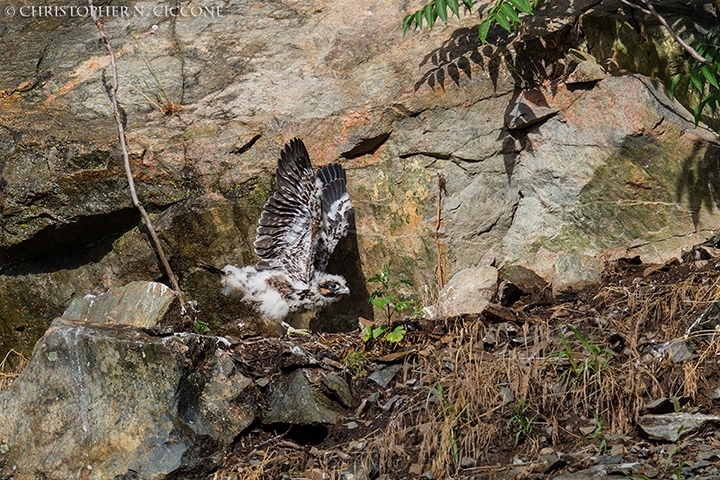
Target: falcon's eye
334	286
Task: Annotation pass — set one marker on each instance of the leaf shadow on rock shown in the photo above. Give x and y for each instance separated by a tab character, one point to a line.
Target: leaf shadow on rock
699	179
529	60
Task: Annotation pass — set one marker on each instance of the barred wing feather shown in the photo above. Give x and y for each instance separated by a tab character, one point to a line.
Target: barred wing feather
337	212
289	223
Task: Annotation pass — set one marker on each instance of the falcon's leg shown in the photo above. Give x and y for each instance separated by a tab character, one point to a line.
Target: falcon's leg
295	331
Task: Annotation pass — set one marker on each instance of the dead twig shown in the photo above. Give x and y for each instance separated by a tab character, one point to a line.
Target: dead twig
439	270
126	159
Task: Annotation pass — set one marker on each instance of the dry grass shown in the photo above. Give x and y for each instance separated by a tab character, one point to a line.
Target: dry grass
494	406
10	367
463	413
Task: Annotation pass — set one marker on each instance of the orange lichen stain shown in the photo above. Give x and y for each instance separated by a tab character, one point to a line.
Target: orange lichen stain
353	119
87	68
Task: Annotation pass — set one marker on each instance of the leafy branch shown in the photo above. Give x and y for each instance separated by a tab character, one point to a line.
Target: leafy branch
505	13
703	76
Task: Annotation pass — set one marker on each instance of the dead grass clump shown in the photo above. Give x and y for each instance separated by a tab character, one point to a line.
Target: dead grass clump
10	367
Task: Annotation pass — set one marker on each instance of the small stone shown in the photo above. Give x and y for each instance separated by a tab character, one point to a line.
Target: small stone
680	350
352	425
507	395
339	388
332	363
467	462
262	382
383	375
298	402
497	313
415	469
702	455
294	356
489	339
389	404
609	459
587	430
659	406
552	462
649	471
700	464
617	450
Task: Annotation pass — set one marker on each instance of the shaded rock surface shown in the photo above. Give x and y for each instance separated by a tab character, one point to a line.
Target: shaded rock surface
672	426
300	403
116	400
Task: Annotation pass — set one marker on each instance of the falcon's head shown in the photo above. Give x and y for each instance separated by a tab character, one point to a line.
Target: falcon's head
331	287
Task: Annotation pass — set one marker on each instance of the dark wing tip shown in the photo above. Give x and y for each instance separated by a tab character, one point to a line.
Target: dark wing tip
331	172
211	268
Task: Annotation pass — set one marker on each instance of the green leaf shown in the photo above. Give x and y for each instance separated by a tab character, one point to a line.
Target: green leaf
673	84
697	111
509	12
483	30
522	5
378	331
695	79
375	278
418	19
378	293
709	75
468	4
441	9
406	24
430	17
381	302
396	335
454	7
403	305
503	21
367	333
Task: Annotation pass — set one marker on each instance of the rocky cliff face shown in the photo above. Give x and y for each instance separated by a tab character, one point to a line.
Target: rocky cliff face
546	162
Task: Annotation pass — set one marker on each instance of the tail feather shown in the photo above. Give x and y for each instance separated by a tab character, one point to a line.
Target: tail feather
211	268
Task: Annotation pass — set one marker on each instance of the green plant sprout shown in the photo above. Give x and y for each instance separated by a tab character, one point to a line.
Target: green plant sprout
355	362
593	363
521	422
598	434
386	297
201	327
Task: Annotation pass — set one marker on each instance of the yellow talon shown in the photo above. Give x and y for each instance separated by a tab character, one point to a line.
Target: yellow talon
295	331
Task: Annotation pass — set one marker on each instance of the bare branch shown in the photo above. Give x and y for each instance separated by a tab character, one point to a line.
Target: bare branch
650	10
126	159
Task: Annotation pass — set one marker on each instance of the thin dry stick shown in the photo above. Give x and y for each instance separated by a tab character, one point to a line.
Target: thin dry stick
650	10
440	271
126	158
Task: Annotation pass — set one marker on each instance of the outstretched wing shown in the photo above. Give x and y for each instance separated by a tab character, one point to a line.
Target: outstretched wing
337	212
289	223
